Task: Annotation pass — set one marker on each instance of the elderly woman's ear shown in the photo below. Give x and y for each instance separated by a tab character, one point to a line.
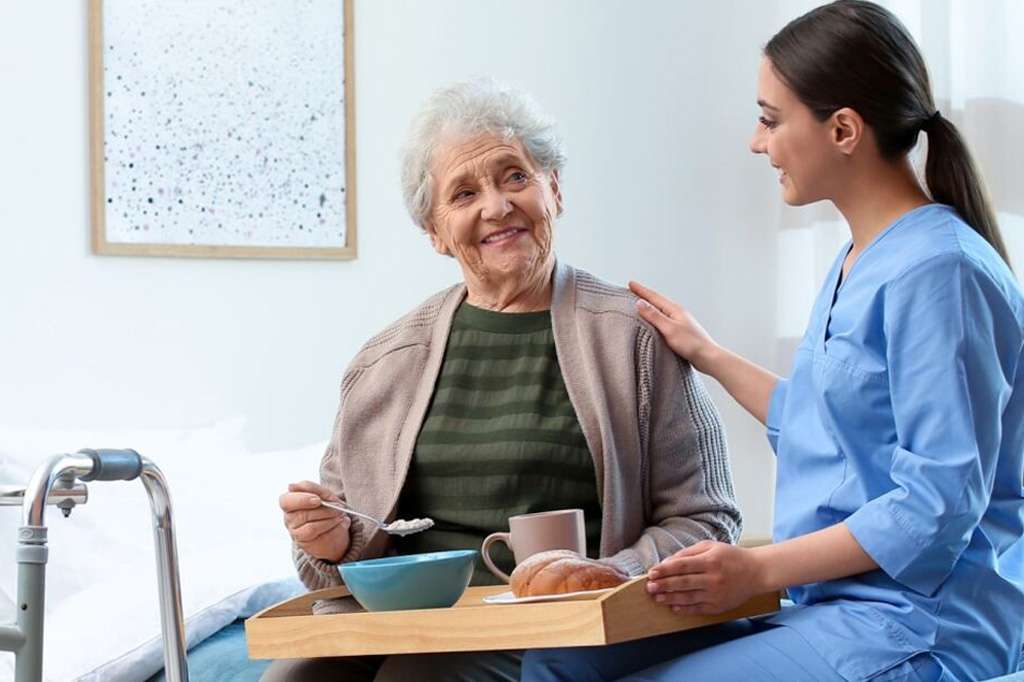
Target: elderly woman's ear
435	239
556	192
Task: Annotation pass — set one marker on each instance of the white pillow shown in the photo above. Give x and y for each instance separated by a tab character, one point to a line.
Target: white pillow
102	614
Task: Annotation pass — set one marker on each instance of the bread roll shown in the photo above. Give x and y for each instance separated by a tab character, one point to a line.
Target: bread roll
524	572
560	571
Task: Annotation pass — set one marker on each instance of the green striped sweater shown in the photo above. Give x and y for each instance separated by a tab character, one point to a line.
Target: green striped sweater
500	438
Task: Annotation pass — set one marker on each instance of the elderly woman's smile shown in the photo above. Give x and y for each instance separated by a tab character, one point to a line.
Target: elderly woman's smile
503	236
493	210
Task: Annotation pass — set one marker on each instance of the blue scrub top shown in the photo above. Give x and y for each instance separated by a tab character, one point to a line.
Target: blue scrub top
904	418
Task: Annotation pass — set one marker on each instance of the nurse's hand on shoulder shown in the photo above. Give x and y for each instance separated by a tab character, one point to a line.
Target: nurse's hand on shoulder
677	326
707	578
321	532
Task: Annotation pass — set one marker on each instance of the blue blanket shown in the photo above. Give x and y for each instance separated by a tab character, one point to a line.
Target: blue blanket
222	657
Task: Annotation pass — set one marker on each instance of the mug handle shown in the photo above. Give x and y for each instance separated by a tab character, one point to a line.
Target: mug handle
486	556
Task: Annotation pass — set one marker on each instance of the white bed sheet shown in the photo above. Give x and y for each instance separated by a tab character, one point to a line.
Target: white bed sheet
102	617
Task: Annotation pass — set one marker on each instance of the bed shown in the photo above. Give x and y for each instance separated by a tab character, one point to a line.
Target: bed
102	616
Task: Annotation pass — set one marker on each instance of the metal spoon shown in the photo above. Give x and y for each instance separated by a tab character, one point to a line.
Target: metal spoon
396	527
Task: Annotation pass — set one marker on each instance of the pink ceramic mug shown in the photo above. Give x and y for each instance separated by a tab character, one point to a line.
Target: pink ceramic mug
531	534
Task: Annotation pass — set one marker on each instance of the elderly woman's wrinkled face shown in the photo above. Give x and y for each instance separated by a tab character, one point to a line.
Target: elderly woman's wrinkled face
493	209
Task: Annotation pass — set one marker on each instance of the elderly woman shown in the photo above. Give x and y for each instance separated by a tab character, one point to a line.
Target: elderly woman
527	387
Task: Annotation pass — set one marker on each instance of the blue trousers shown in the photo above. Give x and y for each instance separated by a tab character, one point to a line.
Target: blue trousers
751	651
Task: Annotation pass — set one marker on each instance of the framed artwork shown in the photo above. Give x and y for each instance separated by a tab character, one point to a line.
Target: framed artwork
222	129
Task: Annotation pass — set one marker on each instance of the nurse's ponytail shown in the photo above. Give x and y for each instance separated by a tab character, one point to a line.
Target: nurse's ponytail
953	179
853	53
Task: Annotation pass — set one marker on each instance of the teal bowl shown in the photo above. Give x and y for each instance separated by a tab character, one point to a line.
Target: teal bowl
432	580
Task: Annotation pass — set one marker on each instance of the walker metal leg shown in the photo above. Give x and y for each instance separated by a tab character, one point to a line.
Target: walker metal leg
172	622
31	602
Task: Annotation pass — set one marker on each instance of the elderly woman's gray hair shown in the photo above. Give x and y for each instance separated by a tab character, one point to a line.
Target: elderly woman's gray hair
464	110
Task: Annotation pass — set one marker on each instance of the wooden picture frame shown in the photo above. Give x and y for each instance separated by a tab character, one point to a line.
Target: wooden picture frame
229	173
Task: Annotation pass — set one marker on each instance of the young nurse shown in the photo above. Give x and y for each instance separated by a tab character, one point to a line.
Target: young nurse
900	432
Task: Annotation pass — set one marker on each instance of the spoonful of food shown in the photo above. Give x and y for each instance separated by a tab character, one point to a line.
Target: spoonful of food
396	527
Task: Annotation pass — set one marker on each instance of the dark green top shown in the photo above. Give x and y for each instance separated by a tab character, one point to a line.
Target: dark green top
500	438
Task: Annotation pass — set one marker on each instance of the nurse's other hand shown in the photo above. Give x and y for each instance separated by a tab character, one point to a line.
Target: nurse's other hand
677	326
707	578
323	533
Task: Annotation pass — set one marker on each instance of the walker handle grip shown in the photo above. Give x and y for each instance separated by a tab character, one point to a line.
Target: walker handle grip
113	465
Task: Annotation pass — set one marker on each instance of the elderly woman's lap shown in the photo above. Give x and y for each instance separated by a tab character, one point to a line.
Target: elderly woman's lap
490	666
350	669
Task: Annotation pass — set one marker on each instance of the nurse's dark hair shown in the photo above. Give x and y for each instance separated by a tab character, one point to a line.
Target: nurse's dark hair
856	54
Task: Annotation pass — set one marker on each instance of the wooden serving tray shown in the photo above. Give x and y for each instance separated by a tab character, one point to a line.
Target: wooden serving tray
290	630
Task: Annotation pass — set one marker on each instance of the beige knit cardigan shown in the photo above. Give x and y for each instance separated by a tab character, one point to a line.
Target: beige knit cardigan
659	450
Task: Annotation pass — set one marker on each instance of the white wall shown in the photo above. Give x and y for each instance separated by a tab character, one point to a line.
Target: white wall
655	99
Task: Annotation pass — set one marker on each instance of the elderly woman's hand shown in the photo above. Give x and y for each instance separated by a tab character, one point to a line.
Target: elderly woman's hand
707	578
678	327
323	533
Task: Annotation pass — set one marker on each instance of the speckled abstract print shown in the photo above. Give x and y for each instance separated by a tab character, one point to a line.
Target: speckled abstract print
224	122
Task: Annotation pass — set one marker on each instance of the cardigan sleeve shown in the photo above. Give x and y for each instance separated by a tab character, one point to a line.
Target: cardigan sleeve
689	481
317	573
375	399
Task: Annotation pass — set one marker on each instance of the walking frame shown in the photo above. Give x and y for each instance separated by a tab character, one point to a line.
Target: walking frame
59	482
